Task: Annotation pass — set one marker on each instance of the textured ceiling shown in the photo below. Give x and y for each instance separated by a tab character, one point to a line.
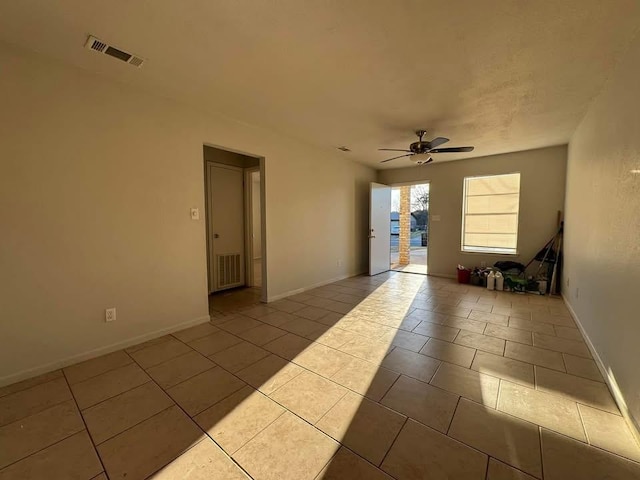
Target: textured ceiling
503	75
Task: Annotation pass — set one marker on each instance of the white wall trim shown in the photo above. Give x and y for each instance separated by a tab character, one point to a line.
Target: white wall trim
609	379
442	275
39	370
273	298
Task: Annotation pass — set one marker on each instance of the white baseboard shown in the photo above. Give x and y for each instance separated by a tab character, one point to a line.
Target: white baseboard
273	298
441	275
608	377
39	370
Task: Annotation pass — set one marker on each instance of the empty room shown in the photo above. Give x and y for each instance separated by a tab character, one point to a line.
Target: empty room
319	240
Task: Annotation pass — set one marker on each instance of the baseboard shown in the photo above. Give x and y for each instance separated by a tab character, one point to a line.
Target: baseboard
33	372
441	275
634	426
273	298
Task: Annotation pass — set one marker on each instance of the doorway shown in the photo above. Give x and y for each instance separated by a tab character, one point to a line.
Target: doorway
234	207
409	226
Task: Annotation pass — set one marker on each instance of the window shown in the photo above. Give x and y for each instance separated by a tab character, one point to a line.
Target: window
490	214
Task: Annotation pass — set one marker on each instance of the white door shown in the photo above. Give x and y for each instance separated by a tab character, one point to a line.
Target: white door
225	226
379	228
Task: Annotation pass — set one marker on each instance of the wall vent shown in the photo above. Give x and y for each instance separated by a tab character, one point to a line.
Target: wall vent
229	272
99	46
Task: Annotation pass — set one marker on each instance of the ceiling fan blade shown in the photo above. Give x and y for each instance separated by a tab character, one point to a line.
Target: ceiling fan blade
452	150
436	142
392	150
428	161
389	159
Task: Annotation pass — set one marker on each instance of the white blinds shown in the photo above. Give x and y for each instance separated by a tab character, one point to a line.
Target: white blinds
490	213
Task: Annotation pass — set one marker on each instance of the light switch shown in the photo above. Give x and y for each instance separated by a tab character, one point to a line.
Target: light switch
195	214
435	218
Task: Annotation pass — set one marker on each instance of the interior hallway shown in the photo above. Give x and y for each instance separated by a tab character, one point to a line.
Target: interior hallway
394	376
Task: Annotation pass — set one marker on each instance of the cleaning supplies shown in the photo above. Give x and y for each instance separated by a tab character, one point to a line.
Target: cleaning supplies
491	280
499	281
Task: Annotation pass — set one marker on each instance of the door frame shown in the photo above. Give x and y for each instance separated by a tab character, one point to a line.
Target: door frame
420	182
263	214
248	222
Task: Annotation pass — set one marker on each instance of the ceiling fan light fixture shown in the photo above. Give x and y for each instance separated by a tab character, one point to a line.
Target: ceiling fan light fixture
420	158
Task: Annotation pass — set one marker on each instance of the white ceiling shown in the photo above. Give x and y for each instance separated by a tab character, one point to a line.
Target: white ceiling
503	75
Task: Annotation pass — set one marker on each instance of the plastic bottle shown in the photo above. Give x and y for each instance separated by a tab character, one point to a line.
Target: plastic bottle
499	281
491	281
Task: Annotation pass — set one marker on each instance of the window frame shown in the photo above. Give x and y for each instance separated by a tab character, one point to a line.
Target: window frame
489	250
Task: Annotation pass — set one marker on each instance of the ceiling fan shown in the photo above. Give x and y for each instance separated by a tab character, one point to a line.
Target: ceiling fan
420	151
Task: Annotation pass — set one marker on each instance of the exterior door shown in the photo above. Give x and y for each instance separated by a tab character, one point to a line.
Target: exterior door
225	226
379	228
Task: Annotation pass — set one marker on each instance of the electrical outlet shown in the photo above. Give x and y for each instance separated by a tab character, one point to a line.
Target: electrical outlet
110	314
195	214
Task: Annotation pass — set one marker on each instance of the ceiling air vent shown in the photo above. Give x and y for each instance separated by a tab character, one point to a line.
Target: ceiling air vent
99	46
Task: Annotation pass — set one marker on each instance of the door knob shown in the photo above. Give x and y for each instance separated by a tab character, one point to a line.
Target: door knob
215	235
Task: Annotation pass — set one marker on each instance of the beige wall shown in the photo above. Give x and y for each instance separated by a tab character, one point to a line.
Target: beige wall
96	184
542	184
602	259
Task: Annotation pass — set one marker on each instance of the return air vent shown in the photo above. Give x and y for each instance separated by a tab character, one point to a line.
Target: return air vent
99	46
229	272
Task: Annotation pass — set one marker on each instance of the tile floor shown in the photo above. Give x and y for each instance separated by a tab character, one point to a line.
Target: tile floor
394	376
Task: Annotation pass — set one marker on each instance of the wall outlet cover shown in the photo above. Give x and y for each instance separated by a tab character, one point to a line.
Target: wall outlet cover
110	314
195	214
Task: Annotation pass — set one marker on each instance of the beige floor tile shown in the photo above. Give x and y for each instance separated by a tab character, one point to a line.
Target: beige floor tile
336	337
501	471
531	326
578	389
179	369
367	349
348	465
364	426
544	409
149	343
465	324
505	368
480	342
277	318
204	390
215	342
312	313
609	432
440	332
404	339
204	461
238	418
411	364
94	367
467	383
366	328
578	348
33	400
192	333
545	317
422	315
534	355
109	384
420	453
288	346
30	382
453	310
565	458
113	416
258	311
568	333
239	356
270	373
239	324
73	458
28	435
262	334
140	451
288	449
302	326
286	305
509	333
330	319
309	395
449	352
582	367
429	405
322	360
489	317
101	476
365	378
155	354
506	438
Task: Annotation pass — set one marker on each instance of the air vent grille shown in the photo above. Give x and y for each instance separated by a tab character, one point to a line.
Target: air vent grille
99	46
229	273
